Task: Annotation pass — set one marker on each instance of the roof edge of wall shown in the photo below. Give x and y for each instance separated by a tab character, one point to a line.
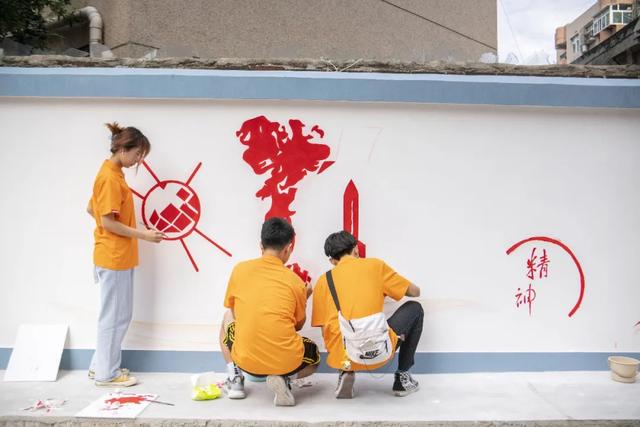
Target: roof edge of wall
352	66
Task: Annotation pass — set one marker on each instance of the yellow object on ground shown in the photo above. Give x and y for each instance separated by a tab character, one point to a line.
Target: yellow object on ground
208	392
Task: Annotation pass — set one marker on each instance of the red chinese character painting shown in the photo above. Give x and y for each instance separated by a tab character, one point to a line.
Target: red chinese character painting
537	267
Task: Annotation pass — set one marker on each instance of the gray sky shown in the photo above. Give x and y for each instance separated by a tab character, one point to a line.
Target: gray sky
534	23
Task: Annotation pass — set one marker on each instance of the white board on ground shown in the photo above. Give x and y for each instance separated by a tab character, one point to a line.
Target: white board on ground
36	353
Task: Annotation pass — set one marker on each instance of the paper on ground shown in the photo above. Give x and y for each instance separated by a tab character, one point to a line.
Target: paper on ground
117	405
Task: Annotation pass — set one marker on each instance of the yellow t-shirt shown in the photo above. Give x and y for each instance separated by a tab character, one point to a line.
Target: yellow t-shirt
361	285
111	194
268	300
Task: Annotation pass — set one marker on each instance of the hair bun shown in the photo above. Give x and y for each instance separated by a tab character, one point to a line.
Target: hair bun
114	127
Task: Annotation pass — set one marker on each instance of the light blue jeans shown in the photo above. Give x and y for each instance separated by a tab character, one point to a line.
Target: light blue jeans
116	311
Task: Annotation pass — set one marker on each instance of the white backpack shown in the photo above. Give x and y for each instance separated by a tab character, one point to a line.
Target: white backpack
366	339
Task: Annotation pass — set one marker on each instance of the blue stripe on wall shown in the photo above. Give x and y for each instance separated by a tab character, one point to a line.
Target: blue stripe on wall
425	363
319	86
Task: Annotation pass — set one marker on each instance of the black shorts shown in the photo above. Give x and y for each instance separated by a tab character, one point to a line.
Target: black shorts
310	357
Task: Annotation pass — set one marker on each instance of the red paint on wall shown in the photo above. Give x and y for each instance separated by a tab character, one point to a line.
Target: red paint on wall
177	219
287	158
302	274
567	250
351	215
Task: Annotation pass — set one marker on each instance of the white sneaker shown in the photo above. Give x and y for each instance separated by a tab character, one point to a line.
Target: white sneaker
234	387
344	389
119	381
281	387
92	374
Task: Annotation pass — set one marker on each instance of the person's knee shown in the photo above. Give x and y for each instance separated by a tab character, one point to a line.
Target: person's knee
307	370
414	306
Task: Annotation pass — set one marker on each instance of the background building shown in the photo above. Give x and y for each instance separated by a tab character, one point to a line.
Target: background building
593	28
398	30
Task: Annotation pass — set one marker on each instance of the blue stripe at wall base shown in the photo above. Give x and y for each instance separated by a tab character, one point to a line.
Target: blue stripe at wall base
425	363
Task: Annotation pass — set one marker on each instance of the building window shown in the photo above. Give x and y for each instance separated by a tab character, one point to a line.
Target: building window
617	14
602	21
620	14
575	44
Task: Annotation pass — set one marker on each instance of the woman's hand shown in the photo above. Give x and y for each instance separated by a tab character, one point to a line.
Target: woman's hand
150	235
153	235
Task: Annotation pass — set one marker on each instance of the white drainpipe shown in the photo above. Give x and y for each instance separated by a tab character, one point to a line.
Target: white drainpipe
92	15
95	23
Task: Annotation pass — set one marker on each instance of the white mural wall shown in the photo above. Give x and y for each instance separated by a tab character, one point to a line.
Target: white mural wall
444	192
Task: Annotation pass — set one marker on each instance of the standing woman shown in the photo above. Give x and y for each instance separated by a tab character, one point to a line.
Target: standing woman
115	252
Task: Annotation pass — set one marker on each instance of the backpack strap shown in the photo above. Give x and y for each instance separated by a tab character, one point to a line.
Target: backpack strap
334	295
332	288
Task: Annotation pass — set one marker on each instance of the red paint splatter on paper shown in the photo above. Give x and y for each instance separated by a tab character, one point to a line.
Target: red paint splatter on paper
351	215
567	250
287	158
126	399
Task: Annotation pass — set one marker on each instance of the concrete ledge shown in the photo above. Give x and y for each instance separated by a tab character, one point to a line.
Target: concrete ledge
352	66
146	422
504	399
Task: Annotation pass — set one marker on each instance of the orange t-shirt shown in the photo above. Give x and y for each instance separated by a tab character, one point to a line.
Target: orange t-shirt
268	300
361	285
111	194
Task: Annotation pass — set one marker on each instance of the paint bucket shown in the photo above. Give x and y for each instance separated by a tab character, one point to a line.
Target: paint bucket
623	369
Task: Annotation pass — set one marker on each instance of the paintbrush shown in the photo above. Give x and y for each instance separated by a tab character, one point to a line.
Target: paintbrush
159	401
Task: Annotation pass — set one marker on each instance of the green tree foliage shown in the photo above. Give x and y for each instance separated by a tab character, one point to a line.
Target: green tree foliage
23	20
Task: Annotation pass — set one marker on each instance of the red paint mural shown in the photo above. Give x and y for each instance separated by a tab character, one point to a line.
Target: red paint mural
351	213
173	207
540	265
286	158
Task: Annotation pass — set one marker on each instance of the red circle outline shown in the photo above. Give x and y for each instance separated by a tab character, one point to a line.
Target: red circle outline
162	185
566	248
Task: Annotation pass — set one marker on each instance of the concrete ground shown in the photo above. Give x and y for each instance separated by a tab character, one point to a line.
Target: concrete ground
519	399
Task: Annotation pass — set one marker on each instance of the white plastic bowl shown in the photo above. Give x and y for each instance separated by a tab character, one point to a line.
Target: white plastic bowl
623	369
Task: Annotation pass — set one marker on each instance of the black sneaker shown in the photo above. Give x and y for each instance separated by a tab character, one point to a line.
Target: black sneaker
404	384
344	389
281	387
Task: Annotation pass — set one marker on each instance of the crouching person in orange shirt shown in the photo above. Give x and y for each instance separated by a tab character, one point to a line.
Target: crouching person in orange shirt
360	338
267	304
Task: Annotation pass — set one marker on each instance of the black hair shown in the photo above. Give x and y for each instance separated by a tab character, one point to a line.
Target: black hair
339	244
276	233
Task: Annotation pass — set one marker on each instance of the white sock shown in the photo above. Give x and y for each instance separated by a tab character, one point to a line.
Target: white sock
231	370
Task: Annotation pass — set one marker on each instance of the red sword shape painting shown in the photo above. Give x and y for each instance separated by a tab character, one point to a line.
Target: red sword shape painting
350	215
